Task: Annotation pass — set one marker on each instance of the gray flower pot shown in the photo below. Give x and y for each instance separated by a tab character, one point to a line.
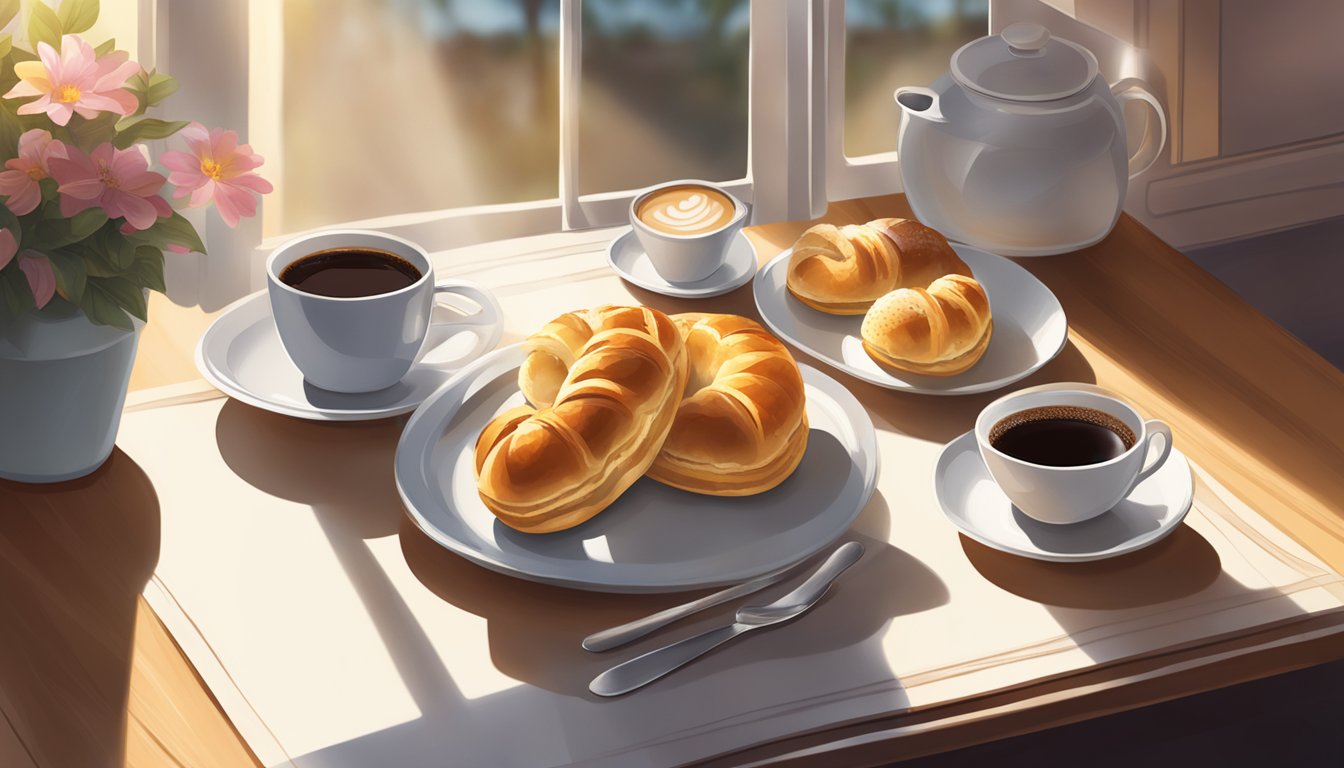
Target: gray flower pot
63	383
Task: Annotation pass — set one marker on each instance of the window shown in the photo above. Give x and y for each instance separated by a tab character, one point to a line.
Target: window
878	46
453	121
405	106
663	94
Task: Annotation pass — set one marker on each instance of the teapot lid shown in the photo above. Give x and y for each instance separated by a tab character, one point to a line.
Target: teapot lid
1024	63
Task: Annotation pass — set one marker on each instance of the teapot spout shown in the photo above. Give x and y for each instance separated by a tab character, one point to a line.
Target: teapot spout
919	103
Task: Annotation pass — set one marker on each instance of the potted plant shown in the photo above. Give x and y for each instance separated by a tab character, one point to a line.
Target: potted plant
85	220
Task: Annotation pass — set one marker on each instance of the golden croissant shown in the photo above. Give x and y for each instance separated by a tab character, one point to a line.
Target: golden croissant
603	386
742	425
843	270
939	331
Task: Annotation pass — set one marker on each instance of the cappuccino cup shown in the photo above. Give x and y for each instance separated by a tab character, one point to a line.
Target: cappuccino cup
1065	453
353	307
686	227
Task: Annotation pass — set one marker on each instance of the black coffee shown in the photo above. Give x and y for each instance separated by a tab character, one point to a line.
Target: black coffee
1062	436
350	272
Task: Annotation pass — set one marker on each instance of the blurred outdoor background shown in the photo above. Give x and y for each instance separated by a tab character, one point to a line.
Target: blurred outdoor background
397	106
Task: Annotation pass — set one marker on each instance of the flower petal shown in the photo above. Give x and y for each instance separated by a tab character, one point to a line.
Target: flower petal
50	60
35	107
72	205
203	194
234	203
33	142
32	76
83	189
59	112
253	182
137	211
180	161
41	278
24	197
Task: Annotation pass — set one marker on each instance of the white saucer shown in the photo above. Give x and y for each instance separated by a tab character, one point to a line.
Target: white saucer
628	259
241	355
654	538
1029	328
976	506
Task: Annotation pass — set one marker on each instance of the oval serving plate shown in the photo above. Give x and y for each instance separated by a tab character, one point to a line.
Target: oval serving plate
654	538
1029	328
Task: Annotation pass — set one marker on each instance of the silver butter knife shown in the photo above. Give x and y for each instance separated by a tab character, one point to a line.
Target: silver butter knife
642	670
632	631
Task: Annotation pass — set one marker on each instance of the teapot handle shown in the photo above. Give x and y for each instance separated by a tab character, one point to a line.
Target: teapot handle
1149	149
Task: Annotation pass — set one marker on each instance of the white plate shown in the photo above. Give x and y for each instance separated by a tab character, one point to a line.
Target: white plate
1029	328
628	259
973	502
241	355
653	538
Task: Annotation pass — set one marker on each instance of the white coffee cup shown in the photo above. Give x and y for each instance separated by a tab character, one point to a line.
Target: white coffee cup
1071	494
686	258
367	343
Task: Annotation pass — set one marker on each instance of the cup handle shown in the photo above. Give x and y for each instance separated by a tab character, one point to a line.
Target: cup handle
1155	429
487	322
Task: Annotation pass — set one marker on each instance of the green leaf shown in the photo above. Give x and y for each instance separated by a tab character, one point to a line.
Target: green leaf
9	221
44	26
120	250
107	46
141	128
160	87
96	263
175	230
10	130
71	274
101	306
90	133
151	88
15	295
86	222
78	15
8	10
6	45
56	233
122	292
148	268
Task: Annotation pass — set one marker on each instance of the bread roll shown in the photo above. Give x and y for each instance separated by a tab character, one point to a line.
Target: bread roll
939	331
603	386
742	426
843	270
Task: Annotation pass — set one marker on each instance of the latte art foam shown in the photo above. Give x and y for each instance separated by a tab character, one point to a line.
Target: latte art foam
686	210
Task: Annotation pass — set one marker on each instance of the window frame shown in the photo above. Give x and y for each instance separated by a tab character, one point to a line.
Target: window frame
795	154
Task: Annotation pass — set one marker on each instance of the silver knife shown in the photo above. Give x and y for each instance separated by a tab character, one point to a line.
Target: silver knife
642	670
632	631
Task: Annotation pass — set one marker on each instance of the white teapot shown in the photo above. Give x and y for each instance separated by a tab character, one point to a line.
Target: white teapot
1020	149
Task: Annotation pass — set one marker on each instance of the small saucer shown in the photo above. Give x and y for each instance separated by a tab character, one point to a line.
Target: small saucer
628	259
974	504
241	355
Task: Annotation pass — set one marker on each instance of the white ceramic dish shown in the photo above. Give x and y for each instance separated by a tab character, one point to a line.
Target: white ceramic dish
241	355
627	258
1029	328
654	538
976	506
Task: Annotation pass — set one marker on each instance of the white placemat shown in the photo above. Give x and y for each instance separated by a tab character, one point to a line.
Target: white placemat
333	633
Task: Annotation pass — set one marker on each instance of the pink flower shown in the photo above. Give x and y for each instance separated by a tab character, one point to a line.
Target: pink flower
117	180
19	182
217	168
41	278
8	247
74	81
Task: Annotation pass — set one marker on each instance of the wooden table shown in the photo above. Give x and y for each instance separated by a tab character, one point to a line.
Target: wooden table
89	676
